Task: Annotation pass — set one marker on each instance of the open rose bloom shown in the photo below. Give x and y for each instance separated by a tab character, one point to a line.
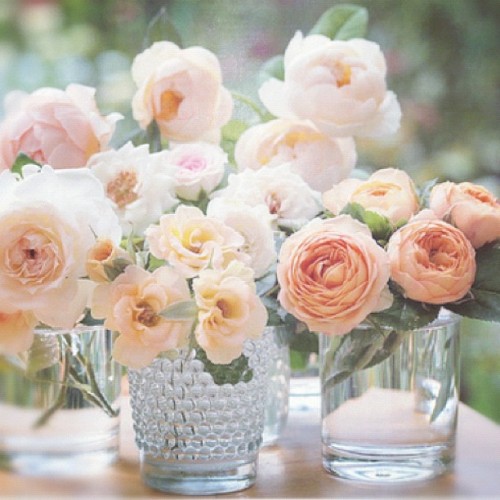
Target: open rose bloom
62	128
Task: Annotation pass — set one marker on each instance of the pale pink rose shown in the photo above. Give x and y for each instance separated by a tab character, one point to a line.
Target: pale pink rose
470	207
132	305
180	89
230	311
197	168
105	254
388	192
321	160
339	85
47	225
432	261
62	128
16	331
332	275
190	241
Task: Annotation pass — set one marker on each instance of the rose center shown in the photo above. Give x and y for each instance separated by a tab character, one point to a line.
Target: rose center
224	308
121	188
147	315
193	164
169	105
273	203
342	73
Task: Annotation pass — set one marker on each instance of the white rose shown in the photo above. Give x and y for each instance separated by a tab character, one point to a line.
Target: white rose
180	89
286	194
338	85
48	223
321	160
139	185
254	224
197	167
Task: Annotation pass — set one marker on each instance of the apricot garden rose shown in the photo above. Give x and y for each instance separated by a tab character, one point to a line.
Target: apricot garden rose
432	261
62	128
132	305
470	207
16	331
339	85
321	160
389	192
332	275
180	89
230	311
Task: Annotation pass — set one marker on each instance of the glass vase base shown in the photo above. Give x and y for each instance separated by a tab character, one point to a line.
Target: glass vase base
198	479
387	465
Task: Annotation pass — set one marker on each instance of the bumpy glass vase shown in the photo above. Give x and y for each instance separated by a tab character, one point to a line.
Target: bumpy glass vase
196	436
394	421
59	404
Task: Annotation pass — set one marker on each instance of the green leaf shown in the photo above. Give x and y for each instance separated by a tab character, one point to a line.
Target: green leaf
20	161
305	341
116	268
232	130
272	68
231	373
184	310
425	192
405	314
379	225
161	28
342	22
483	300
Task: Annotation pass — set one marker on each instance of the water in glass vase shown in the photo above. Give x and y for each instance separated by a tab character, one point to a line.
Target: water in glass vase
396	420
59	404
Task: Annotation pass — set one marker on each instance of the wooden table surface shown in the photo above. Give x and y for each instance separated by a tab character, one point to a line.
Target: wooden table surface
291	469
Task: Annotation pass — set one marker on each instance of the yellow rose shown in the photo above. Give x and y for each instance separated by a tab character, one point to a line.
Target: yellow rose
229	311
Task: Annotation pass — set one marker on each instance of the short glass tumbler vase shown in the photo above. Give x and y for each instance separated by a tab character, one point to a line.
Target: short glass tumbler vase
394	421
59	404
197	437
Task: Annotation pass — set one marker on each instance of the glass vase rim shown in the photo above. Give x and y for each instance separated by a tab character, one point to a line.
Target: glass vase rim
79	328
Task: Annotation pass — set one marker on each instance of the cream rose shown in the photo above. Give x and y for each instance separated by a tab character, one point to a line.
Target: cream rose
180	89
255	224
470	207
339	85
190	241
48	223
16	331
389	192
432	261
140	185
197	168
230	311
321	160
286	194
62	128
332	275
105	255
132	305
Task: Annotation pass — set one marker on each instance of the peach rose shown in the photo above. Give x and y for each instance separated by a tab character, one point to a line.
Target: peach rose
132	305
332	275
180	89
338	85
229	311
62	128
389	192
48	222
105	254
16	331
470	207
432	261
321	160
190	241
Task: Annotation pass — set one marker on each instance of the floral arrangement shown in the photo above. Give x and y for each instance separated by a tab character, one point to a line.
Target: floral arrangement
200	197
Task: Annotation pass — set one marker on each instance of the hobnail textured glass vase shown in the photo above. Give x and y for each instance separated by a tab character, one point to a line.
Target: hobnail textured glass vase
59	404
394	421
196	436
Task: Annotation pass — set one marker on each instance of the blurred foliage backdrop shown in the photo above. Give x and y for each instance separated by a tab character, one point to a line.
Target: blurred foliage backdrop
443	63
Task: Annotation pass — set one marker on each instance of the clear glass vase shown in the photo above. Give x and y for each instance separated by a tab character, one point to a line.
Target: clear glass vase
394	421
59	404
276	408
196	436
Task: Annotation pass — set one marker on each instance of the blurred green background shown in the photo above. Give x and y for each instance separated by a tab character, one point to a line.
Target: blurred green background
443	63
